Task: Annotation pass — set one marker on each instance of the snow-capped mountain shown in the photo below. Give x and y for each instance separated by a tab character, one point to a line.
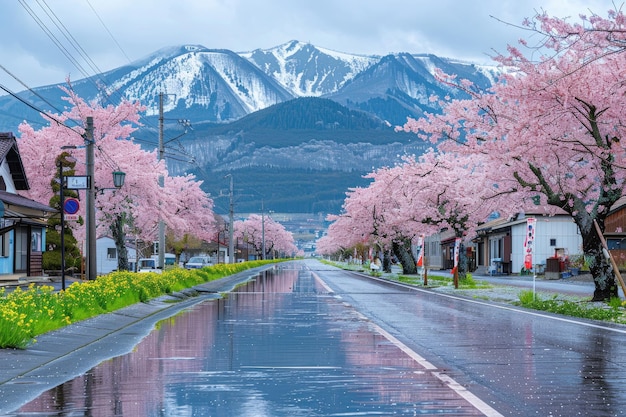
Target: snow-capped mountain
311	140
218	85
306	70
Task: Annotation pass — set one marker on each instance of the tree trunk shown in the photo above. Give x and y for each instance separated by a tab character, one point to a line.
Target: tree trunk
402	250
600	267
387	261
117	229
463	262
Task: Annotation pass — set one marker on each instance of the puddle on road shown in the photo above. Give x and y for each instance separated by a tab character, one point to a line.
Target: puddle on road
278	346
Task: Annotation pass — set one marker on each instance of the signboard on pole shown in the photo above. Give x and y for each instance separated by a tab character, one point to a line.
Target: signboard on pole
70	209
457	249
529	241
78	182
420	253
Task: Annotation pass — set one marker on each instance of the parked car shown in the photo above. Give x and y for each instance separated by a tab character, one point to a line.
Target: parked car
148	265
197	262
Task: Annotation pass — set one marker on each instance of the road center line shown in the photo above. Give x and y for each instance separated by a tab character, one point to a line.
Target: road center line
476	402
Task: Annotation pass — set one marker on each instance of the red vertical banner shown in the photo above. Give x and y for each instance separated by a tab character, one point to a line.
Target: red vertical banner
457	248
420	254
529	241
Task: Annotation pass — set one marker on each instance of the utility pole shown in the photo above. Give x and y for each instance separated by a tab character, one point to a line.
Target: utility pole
231	242
91	207
62	198
161	184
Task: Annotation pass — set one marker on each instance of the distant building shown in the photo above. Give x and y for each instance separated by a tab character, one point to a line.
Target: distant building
500	243
107	256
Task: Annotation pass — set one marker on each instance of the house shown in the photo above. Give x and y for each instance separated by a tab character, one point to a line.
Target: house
107	255
500	243
437	252
615	231
22	221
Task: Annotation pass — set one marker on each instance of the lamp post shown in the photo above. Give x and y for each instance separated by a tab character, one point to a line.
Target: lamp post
90	211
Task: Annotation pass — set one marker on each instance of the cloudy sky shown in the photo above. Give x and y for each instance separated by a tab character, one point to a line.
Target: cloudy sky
111	33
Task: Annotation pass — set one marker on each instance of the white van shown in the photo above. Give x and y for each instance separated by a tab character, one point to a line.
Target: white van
148	265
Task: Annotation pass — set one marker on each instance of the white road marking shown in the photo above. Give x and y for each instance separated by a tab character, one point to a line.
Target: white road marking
476	402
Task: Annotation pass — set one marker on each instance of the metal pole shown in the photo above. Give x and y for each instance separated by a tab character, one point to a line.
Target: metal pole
231	242
91	197
161	184
62	225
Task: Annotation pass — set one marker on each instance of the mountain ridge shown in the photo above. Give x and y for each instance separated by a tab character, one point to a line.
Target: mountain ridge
295	112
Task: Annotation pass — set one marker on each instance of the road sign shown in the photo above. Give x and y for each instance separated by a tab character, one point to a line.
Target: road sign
78	182
71	217
71	206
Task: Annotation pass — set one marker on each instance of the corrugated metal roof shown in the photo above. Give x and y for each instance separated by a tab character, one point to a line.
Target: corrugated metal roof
19	201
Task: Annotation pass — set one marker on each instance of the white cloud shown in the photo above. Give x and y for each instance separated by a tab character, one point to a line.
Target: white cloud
454	28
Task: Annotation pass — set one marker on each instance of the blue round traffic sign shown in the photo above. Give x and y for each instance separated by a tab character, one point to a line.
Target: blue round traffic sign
71	206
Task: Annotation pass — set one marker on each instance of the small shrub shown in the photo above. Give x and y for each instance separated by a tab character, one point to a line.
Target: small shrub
569	308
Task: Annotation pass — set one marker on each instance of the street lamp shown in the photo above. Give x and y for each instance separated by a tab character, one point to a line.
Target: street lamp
118	179
87	183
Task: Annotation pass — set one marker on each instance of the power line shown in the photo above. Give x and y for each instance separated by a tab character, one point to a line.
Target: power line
108	31
29	89
68	36
102	87
52	37
35	108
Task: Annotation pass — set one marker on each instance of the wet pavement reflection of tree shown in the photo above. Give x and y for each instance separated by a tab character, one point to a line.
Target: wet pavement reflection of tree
277	346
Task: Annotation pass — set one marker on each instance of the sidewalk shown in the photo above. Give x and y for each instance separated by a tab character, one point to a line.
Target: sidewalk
581	285
61	354
12	282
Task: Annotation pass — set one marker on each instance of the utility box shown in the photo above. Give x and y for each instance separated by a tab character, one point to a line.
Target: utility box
553	268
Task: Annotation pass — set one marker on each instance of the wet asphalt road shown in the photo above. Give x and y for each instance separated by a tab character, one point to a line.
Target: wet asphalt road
479	358
520	362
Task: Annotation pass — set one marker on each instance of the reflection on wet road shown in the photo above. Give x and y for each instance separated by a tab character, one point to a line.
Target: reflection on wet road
278	346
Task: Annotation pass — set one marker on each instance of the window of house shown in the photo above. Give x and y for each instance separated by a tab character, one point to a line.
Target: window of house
111	253
5	244
552	242
616	243
495	246
35	240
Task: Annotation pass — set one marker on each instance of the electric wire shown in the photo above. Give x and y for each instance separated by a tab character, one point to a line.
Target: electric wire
52	16
102	86
42	98
7	90
108	31
52	37
68	36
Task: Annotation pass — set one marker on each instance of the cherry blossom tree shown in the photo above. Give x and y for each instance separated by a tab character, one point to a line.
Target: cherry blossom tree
260	231
418	196
139	205
551	128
